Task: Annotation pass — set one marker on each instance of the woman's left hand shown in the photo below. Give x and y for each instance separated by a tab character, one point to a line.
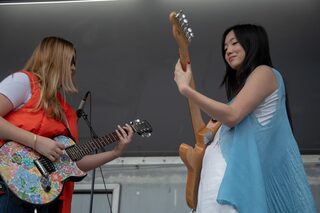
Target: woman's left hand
181	77
125	135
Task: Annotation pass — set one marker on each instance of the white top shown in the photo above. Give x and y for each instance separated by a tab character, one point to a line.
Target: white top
214	165
16	87
264	112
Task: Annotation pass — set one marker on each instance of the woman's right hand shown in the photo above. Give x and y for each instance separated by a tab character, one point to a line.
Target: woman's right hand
181	77
48	148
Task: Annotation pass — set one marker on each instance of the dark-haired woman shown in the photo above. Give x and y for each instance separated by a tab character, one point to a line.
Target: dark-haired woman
253	163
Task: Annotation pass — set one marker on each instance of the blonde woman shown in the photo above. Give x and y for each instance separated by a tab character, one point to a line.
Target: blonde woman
32	111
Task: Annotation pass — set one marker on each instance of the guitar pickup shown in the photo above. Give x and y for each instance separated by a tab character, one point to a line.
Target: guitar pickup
41	168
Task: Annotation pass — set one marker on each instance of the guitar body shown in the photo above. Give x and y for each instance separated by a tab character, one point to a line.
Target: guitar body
23	178
192	158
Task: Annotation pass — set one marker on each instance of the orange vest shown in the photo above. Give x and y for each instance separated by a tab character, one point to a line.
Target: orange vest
40	124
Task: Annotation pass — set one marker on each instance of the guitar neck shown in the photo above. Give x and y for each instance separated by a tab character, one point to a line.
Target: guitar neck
196	117
184	57
78	151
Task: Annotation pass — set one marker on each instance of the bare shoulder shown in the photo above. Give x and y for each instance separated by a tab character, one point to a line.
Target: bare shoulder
262	71
264	75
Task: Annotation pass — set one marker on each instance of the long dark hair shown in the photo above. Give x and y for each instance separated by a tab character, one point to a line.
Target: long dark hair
254	40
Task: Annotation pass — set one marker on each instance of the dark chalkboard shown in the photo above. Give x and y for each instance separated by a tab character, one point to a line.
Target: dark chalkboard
126	56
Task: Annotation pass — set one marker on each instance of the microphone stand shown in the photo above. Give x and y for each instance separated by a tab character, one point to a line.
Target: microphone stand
93	135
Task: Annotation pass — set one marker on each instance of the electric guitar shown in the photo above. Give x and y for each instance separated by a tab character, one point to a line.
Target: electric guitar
191	156
37	180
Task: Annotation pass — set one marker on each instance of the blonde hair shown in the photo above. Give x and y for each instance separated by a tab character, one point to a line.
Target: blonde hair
51	62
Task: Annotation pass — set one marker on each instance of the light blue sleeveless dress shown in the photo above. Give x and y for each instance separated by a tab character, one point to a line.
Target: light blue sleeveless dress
264	170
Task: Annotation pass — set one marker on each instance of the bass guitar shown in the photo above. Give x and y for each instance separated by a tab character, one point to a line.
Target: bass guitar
191	156
37	180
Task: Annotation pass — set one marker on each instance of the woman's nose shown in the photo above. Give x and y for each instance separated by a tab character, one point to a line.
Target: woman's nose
228	50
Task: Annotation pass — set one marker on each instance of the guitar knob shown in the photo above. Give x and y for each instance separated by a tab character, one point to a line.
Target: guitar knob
45	184
47	189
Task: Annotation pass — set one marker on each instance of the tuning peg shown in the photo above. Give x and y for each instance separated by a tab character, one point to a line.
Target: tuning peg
136	121
146	135
189	34
182	19
187	30
179	13
184	23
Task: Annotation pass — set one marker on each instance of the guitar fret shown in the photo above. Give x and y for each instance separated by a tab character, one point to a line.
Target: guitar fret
105	140
109	139
116	138
97	144
88	148
78	154
93	145
74	152
100	143
79	151
70	153
82	151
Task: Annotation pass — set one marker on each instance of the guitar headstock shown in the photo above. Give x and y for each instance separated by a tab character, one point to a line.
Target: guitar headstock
181	29
142	127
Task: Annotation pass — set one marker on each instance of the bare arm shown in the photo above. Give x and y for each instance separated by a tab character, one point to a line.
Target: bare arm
258	86
93	161
8	131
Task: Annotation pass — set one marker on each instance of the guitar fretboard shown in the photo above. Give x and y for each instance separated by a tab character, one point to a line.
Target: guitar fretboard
78	151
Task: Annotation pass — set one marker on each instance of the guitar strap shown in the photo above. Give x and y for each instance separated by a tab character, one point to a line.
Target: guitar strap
65	121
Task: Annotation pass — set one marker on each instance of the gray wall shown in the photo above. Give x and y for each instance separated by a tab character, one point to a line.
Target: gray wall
126	56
